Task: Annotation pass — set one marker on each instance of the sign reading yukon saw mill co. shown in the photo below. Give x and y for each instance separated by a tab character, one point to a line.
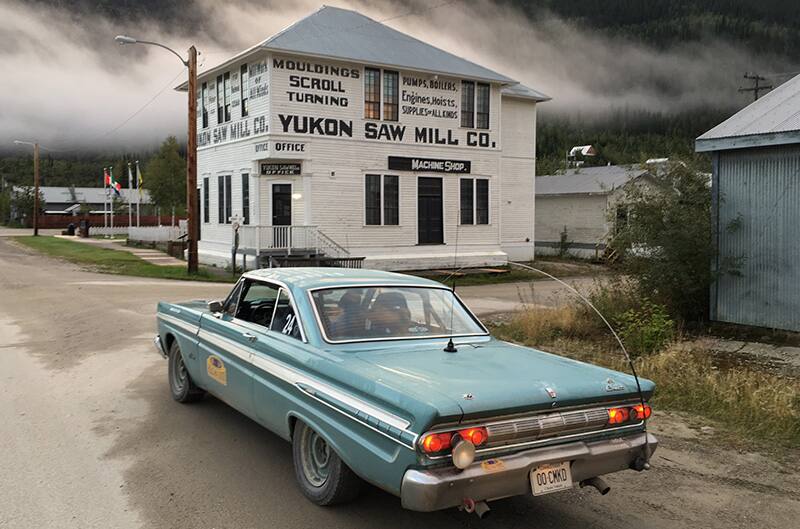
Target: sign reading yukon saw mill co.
280	169
402	163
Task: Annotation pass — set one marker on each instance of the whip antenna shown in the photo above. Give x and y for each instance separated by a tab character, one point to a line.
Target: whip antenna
451	347
583	298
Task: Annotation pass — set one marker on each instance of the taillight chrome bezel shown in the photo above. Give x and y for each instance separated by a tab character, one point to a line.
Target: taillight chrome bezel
631	425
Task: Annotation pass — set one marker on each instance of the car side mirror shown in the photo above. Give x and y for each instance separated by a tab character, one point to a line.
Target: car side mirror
215	306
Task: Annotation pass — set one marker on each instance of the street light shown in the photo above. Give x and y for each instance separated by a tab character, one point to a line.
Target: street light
191	145
35	183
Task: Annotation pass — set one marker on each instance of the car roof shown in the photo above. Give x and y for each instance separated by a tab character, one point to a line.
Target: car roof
326	277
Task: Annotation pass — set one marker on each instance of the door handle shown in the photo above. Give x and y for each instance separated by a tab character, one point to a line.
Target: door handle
250	337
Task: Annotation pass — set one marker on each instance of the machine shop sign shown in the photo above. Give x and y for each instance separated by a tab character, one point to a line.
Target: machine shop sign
280	169
402	163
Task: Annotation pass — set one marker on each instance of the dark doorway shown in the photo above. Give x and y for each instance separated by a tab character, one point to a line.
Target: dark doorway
281	204
429	211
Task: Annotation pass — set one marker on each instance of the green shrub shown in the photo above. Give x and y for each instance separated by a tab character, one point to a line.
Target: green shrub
646	330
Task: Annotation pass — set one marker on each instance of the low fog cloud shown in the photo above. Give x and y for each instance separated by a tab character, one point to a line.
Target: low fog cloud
67	84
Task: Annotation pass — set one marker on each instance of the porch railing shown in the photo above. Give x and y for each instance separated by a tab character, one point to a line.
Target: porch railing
288	239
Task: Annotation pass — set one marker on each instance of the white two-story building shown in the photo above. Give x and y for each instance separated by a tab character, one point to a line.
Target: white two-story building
342	136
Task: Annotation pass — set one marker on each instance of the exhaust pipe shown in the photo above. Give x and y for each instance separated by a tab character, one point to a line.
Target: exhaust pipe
481	508
598	483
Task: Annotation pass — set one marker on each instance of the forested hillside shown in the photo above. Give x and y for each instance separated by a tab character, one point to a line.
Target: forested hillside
623	134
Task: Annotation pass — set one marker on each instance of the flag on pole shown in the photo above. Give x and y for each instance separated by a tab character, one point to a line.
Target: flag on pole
116	186
139	179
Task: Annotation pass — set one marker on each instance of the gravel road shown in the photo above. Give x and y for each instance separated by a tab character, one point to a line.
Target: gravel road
90	437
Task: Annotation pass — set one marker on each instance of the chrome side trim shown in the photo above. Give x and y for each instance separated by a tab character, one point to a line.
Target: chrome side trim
325	337
186	326
296	378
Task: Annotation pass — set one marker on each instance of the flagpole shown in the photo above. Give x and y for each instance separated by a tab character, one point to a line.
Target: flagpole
111	198
105	197
139	194
130	198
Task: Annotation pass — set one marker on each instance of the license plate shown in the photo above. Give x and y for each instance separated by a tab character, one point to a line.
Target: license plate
552	477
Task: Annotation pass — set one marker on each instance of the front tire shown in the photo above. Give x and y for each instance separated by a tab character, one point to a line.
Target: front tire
323	477
181	385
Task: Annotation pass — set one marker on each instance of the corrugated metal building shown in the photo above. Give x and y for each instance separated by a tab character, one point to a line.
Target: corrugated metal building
582	203
756	211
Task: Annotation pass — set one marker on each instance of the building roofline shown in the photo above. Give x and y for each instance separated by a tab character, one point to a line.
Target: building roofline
764	139
264	46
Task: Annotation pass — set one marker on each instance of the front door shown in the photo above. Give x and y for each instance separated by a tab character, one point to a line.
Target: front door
281	204
429	211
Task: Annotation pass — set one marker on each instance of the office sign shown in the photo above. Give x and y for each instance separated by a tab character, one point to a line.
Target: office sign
280	169
431	165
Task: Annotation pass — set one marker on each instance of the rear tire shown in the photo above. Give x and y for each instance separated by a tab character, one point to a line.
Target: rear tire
181	385
323	477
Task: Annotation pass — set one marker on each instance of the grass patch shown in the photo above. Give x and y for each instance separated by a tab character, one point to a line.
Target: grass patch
755	405
109	261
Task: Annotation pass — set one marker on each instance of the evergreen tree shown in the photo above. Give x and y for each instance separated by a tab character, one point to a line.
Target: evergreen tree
165	178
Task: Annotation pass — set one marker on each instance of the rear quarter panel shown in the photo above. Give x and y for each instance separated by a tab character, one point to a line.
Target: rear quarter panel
180	323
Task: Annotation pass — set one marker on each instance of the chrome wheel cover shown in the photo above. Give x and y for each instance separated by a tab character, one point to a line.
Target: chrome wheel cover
315	458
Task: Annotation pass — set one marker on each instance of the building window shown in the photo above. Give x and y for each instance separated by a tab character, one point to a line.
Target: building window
467	104
390	95
481	201
244	87
224	199
391	200
206	200
467	201
245	198
204	104
384	212
224	98
474	201
372	93
482	106
373	199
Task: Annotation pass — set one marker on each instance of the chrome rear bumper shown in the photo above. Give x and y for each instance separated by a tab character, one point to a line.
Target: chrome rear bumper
159	346
430	490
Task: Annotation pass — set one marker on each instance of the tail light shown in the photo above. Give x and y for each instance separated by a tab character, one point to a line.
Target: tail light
624	414
442	442
641	412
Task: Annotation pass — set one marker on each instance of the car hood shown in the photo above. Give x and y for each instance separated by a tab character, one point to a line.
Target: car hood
498	378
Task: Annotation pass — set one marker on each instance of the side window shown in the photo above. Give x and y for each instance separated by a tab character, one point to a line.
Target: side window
257	302
285	319
229	307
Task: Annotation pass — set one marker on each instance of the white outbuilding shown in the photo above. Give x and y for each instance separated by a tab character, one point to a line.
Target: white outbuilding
340	137
578	211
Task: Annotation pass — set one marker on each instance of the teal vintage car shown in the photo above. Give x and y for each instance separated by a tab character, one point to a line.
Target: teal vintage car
390	379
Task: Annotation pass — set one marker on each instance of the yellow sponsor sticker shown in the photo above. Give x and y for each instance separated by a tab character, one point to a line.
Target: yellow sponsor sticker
216	370
493	465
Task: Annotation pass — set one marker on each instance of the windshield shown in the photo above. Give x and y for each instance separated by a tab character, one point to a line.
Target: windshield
372	313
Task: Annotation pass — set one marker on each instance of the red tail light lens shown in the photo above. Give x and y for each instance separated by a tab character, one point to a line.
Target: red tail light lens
476	436
436	442
640	413
618	415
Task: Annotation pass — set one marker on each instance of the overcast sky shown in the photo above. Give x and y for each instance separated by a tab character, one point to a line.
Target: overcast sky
68	85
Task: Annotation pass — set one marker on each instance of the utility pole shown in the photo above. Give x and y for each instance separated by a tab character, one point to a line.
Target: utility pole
36	206
191	164
36	189
757	87
191	147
